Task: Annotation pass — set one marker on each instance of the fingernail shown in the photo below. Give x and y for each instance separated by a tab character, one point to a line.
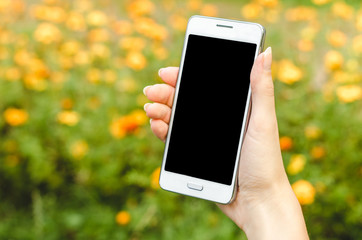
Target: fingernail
151	121
267	58
144	90
146	106
160	71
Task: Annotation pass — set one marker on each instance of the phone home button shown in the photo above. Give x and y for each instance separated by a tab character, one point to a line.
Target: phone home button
195	186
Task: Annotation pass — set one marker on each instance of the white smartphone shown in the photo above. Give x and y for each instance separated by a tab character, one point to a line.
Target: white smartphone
211	108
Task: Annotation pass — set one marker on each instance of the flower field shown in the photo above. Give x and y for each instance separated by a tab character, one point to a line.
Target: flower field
77	157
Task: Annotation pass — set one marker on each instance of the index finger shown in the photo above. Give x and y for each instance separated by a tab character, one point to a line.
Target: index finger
169	75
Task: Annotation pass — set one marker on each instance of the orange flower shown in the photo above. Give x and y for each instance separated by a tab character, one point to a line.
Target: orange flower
122	126
136	60
209	10
155	178
288	73
70	48
301	14
122	27
304	191
67	103
333	60
123	218
320	2
305	45
337	38
47	33
132	43
137	8
79	149
15	116
268	3
251	11
98	35
194	5
318	152
349	93
296	164
286	143
149	28
359	21
69	118
52	14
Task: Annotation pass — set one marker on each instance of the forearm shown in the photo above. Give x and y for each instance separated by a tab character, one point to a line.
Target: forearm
277	215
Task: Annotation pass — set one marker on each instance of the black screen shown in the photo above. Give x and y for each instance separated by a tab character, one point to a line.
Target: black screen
210	108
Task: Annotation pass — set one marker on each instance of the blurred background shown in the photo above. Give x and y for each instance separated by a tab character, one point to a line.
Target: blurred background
77	157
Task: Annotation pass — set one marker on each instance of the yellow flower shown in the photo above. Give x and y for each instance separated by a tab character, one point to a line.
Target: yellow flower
82	58
301	14
155	178
132	43
48	13
333	60
110	76
47	33
359	21
123	218
286	143
99	50
342	10
70	48
296	164
35	82
320	2
209	10
337	38
136	60
137	8
317	152
127	85
288	73
69	118
357	44
312	132
349	93
161	53
12	74
75	21
251	11
79	149
97	18
15	116
305	45
304	191
4	53
94	75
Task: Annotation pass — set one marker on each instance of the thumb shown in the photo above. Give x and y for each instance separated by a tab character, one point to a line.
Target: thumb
262	87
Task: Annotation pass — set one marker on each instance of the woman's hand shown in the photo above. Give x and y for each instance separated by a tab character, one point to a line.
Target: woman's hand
265	206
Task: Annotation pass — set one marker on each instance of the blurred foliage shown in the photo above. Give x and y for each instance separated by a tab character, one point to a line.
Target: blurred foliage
78	160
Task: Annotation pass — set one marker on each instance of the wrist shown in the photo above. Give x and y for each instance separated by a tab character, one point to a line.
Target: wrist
273	213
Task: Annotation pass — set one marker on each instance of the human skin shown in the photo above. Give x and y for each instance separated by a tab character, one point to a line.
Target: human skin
265	206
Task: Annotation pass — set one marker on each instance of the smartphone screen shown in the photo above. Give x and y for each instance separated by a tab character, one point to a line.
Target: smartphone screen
210	107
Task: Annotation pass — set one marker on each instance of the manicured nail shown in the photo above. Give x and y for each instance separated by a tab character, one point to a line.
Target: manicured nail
146	106
144	90
267	58
160	71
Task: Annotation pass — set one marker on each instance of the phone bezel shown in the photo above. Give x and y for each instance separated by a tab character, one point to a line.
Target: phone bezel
239	31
